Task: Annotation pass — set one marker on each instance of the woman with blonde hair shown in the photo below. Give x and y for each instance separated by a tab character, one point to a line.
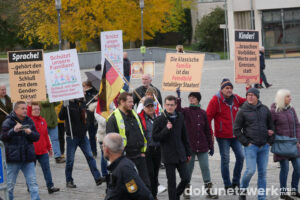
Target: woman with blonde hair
286	124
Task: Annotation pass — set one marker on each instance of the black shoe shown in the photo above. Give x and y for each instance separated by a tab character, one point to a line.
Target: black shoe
269	85
100	180
286	197
71	185
60	160
229	190
295	194
52	190
242	197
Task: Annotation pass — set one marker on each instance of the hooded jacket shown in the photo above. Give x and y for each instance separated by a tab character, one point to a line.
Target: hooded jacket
223	114
18	145
252	124
286	124
43	145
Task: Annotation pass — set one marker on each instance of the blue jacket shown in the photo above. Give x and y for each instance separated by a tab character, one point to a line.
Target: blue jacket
18	145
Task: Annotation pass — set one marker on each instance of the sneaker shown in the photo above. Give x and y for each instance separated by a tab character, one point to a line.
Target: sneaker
269	85
100	180
60	160
71	185
161	189
52	190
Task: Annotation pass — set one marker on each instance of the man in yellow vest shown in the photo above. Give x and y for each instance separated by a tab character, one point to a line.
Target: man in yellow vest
126	122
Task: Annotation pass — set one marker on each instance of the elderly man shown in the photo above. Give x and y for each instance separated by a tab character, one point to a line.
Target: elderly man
18	134
146	80
123	181
5	104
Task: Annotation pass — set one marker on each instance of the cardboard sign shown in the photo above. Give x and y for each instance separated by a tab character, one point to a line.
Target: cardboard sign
26	75
112	48
138	69
62	73
246	56
184	71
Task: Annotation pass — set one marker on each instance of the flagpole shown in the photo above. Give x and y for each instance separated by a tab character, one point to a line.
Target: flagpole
4	111
123	77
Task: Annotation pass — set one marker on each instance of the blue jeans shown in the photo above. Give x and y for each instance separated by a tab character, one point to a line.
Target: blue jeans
103	163
53	134
44	162
256	156
224	148
126	86
92	130
204	166
28	170
85	147
284	171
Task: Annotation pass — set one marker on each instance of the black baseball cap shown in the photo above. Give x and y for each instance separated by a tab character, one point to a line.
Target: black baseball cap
148	101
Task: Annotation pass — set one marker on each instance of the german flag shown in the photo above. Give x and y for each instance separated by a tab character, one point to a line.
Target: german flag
111	84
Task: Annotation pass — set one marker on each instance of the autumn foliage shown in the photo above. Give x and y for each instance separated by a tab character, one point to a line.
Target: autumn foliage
83	20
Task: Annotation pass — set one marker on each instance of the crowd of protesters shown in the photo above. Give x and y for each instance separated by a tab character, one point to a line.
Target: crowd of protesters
134	144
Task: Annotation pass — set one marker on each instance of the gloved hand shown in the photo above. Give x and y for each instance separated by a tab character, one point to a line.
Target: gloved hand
211	152
178	92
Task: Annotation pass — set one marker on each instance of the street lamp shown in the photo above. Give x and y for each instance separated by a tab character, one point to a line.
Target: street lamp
58	8
143	48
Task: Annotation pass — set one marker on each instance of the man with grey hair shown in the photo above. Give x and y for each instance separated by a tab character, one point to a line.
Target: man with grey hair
123	181
146	81
5	104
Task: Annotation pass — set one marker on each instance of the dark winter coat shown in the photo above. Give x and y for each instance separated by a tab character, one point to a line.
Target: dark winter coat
262	61
252	124
174	143
286	123
126	67
141	91
197	127
223	114
7	108
89	95
77	115
18	145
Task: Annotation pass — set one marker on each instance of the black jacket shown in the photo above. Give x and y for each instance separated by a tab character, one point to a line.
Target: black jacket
141	91
77	115
18	145
123	182
252	124
89	95
126	67
135	139
262	60
174	143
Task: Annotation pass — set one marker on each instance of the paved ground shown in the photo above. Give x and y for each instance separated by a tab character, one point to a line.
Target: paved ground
281	73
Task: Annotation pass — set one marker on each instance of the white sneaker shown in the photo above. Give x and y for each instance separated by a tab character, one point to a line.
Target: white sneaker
161	189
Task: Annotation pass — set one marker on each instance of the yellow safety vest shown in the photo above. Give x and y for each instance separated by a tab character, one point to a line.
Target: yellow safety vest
121	127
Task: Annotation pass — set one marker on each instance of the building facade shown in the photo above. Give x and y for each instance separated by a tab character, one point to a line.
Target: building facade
278	23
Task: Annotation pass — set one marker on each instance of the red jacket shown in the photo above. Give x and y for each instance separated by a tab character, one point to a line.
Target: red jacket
223	114
43	145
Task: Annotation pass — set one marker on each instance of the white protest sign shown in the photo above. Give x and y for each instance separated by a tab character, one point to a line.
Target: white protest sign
112	48
62	74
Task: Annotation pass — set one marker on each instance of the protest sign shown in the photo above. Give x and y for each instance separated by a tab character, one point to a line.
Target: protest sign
246	56
112	48
184	71
26	75
138	69
62	73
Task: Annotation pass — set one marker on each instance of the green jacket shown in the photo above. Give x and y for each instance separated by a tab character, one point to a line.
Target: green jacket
48	112
7	108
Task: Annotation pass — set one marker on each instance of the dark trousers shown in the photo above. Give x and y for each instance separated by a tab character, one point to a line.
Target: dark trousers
153	157
140	163
61	137
174	193
264	78
92	130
